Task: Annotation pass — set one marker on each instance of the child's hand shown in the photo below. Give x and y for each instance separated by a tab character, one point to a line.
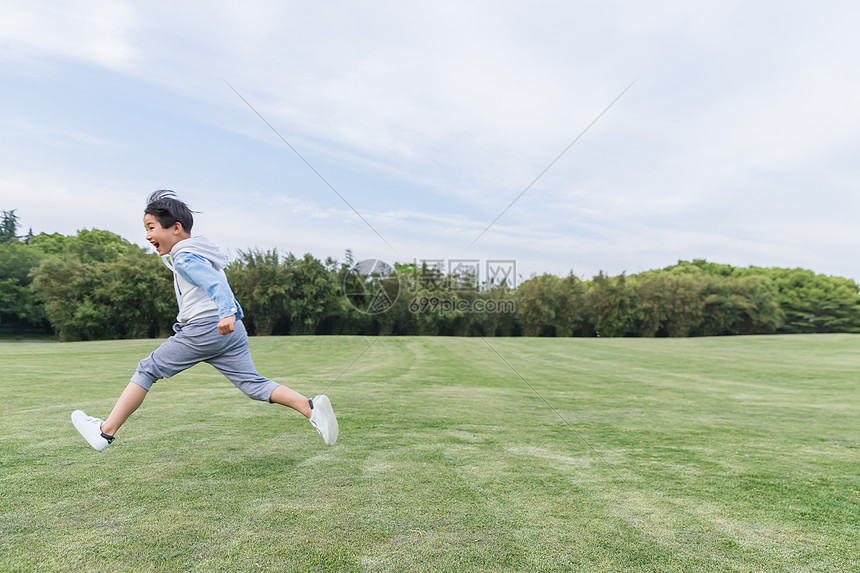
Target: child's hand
225	325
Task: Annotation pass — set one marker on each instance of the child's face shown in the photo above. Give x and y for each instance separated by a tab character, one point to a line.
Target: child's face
162	239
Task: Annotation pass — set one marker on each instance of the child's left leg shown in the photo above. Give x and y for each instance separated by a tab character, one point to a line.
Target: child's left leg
236	364
289	397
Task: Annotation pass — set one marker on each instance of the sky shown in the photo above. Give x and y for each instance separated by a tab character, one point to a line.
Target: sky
610	136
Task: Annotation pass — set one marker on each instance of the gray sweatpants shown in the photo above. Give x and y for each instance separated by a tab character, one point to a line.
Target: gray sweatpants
199	341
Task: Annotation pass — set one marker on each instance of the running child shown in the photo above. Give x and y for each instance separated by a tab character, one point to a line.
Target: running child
208	329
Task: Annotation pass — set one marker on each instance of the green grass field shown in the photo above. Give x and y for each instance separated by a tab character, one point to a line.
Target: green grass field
710	454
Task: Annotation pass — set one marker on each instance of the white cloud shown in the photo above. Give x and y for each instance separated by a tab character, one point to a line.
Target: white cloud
95	31
19	128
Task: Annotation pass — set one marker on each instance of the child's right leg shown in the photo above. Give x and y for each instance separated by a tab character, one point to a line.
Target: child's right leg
174	355
128	402
98	433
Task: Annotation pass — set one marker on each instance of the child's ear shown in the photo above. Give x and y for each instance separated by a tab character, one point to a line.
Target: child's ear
177	228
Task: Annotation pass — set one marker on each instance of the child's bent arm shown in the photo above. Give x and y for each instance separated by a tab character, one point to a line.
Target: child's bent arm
196	270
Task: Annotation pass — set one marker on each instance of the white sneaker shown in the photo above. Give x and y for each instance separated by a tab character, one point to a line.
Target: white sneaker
91	429
323	419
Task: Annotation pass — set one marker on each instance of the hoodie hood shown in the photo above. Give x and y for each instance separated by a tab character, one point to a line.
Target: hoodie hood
203	247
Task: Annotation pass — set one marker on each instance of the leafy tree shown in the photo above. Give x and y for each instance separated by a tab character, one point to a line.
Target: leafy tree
345	318
539	305
653	309
500	318
313	295
51	244
9	226
19	305
551	306
62	284
685	303
610	306
817	303
88	245
739	305
94	245
136	290
262	285
704	299
298	293
128	297
430	303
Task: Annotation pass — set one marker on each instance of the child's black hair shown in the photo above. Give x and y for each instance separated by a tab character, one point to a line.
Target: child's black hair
168	209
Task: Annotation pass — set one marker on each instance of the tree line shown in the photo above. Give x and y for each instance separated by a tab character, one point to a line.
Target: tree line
97	285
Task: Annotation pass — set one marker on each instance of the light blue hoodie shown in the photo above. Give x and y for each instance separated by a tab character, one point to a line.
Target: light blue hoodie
202	290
